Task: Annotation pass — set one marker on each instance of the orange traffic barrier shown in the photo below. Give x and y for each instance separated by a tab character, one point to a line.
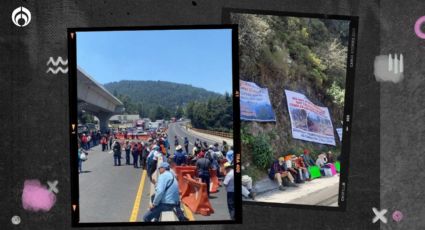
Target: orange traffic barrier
195	196
214	184
182	173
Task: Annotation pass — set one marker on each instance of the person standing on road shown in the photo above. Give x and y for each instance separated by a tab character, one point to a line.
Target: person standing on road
135	154
176	141
198	143
103	141
230	188
225	148
203	166
84	141
145	154
166	195
110	141
127	152
186	144
80	158
179	156
152	160
229	155
117	154
140	148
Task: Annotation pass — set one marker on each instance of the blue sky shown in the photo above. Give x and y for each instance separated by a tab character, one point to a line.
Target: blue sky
202	58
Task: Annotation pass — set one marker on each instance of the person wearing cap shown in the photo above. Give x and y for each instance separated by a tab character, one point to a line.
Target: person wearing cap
179	156
247	189
229	183
279	172
166	194
308	160
203	165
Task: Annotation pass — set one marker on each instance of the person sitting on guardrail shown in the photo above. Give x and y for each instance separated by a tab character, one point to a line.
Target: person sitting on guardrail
308	160
300	166
179	156
278	172
247	190
203	165
166	195
229	183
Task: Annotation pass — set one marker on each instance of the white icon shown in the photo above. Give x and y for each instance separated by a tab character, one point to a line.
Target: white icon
56	63
16	220
395	64
19	14
387	68
52	186
379	215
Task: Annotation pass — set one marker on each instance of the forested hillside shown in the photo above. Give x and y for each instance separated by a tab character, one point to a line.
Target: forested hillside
299	54
163	100
157	99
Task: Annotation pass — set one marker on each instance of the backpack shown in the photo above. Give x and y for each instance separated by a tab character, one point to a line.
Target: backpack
271	171
180	158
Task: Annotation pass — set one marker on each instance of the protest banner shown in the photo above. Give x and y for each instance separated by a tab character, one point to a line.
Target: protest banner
309	122
255	103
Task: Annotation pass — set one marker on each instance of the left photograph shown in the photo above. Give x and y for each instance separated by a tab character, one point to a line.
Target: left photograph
152	121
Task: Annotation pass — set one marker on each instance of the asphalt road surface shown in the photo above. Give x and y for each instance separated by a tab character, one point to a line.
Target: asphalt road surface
178	129
111	193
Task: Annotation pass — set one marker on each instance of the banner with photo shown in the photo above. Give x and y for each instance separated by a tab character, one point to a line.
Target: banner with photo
255	103
309	122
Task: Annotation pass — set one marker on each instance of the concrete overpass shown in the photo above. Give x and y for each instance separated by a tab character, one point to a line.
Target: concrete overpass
95	99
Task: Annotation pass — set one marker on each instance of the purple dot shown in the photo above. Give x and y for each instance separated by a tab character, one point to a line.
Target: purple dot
397	216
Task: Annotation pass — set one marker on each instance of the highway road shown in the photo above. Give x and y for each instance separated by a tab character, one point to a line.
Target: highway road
178	129
111	193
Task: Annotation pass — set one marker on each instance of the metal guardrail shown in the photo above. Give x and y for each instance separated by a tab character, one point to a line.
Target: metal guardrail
215	133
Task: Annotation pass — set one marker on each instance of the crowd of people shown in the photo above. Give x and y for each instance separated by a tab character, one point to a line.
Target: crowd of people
145	155
294	170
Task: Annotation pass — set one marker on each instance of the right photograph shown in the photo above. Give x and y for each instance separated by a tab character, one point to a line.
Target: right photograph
296	75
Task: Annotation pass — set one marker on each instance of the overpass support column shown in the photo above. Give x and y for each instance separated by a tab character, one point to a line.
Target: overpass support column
103	121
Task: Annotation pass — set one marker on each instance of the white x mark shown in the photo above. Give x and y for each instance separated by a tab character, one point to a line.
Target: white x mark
52	186
379	215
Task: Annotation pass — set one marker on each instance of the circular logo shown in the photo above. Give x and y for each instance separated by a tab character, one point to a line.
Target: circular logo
16	220
397	216
418	25
21	16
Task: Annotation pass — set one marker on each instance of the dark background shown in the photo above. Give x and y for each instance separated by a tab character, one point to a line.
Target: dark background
386	124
